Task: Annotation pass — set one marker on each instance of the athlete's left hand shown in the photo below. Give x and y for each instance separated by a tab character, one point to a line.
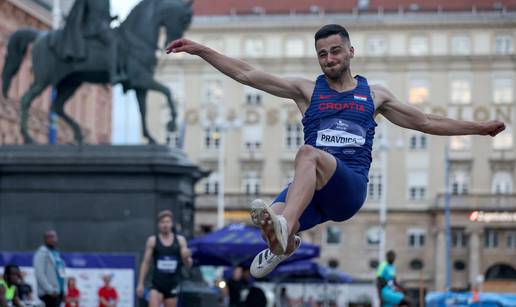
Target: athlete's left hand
492	127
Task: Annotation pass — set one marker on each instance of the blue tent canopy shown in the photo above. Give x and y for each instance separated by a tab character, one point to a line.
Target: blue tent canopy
308	271
238	244
485	299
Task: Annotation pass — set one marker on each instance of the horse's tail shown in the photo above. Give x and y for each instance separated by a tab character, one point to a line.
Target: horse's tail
16	49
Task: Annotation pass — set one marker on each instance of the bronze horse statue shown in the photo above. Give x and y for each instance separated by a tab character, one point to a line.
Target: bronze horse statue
137	41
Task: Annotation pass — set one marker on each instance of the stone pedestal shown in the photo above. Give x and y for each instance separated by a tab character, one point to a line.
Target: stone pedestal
97	198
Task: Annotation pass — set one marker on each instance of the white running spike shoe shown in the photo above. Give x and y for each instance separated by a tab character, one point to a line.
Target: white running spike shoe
266	261
277	240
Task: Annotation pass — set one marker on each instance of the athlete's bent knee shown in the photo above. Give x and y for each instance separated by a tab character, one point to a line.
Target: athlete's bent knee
306	153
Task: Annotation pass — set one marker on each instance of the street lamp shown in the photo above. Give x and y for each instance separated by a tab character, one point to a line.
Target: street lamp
383	148
221	124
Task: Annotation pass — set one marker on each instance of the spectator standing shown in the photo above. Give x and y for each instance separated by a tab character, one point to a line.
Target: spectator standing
49	268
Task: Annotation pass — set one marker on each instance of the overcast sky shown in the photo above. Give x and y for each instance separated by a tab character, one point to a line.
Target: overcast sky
126	128
122	7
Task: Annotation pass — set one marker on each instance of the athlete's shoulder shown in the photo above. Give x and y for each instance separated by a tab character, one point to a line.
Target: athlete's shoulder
151	241
380	93
305	85
181	239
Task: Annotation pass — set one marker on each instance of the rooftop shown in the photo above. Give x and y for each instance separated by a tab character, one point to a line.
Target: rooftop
281	7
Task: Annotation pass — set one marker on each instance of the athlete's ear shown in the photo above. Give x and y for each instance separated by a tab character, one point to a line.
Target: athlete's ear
352	52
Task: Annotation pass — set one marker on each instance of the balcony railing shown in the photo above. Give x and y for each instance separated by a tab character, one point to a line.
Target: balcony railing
478	201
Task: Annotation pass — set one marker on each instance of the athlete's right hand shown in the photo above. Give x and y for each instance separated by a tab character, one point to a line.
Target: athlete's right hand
184	45
140	291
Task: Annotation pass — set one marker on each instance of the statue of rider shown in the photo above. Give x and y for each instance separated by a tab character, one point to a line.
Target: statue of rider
88	19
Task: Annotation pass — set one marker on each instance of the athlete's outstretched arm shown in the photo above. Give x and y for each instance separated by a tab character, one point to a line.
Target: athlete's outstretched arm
410	117
298	89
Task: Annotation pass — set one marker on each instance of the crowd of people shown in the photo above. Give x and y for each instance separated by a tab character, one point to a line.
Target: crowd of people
52	285
167	254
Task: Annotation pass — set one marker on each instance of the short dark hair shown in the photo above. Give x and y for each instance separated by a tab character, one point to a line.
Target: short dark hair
331	29
9	268
165	213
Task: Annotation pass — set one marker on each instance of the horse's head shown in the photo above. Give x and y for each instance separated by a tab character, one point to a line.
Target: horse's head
175	16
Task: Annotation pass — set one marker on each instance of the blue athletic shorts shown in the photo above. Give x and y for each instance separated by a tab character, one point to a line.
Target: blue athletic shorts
391	297
338	200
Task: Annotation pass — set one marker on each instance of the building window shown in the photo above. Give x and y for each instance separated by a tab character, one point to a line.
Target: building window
376	46
333	263
459	182
363	5
211	138
254	47
295	47
417	183
491	238
416	237
460	45
417	193
373	264
459	265
502	183
416	264
251	183
460	91
460	142
418	141
374	190
503	44
503	140
502	90
373	235
213	91
211	184
293	135
253	97
418	92
333	234
252	136
459	238
511	239
418	45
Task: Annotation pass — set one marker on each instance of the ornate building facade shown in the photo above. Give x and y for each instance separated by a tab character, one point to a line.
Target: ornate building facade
454	60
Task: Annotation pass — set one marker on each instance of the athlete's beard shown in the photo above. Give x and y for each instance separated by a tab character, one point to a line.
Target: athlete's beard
337	74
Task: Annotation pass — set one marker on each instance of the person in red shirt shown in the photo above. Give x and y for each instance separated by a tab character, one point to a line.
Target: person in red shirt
107	294
72	294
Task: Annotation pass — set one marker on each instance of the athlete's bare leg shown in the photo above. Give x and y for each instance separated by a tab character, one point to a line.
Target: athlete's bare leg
171	302
155	298
313	169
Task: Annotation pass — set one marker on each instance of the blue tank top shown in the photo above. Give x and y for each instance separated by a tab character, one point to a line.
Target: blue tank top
342	124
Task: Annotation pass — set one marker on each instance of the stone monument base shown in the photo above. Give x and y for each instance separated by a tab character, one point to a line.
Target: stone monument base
98	198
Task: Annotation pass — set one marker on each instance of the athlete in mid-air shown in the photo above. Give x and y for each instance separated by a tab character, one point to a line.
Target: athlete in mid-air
331	169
